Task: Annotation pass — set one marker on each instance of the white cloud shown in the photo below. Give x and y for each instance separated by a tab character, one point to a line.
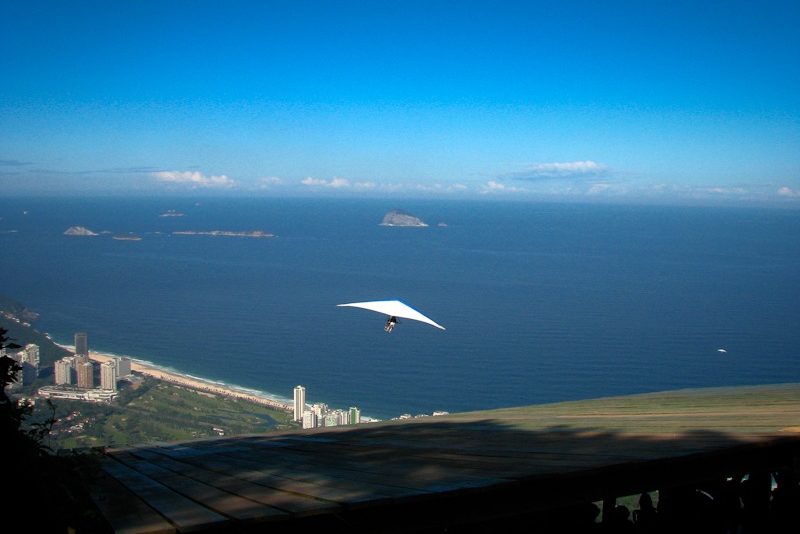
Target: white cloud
193	178
343	184
312	181
789	192
569	169
335	183
493	186
338	183
437	187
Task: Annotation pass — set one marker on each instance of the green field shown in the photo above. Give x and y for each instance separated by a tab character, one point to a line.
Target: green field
155	411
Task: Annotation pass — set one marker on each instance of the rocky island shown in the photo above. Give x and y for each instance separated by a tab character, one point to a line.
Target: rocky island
79	231
225	233
401	218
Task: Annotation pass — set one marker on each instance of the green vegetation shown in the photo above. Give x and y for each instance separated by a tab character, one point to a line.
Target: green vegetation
767	408
151	410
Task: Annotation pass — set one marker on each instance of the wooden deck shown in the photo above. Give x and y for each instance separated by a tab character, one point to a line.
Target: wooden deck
450	470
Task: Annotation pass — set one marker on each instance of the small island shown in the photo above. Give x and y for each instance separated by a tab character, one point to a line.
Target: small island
172	213
225	233
401	218
127	237
79	231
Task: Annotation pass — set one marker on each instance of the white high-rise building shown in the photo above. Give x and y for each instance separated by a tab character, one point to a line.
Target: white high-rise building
342	417
123	366
319	409
309	419
63	371
299	402
355	416
108	376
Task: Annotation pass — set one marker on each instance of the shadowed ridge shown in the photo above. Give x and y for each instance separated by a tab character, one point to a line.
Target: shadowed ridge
466	469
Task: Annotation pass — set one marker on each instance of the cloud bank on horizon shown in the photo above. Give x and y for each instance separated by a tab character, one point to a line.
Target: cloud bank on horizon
193	179
577	180
570	180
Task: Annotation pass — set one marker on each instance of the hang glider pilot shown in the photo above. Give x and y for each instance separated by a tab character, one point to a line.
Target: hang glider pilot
393	309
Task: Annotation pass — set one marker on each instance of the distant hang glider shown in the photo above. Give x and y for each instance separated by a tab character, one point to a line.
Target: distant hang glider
394	309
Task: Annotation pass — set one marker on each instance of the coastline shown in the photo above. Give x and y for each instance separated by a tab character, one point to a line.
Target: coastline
182	379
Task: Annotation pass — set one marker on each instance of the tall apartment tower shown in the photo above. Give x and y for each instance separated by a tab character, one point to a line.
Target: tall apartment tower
28	358
32	352
63	371
81	344
108	376
309	419
86	375
299	402
355	415
123	367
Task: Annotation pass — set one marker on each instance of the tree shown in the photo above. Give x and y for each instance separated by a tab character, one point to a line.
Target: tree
15	440
24	443
30	474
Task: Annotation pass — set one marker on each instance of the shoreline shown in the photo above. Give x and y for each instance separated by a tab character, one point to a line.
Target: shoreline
193	382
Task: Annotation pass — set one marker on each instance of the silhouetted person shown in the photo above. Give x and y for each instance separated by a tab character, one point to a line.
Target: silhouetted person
618	520
785	499
755	493
646	517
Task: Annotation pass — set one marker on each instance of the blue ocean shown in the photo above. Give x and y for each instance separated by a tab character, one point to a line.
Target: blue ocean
542	301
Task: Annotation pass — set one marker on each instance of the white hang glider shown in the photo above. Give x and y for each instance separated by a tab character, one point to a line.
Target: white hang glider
394	309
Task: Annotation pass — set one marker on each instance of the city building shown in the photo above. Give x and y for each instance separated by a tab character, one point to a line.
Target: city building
123	366
330	419
73	393
16	378
32	354
355	415
85	375
108	376
81	344
29	373
28	360
342	417
309	419
299	403
319	409
63	371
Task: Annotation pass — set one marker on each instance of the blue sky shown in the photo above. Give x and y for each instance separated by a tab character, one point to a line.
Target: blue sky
625	101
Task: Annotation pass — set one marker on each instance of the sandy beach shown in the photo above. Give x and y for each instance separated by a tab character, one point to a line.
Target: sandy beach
188	381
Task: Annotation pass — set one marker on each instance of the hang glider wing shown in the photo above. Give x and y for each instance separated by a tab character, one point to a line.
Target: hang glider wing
393	308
